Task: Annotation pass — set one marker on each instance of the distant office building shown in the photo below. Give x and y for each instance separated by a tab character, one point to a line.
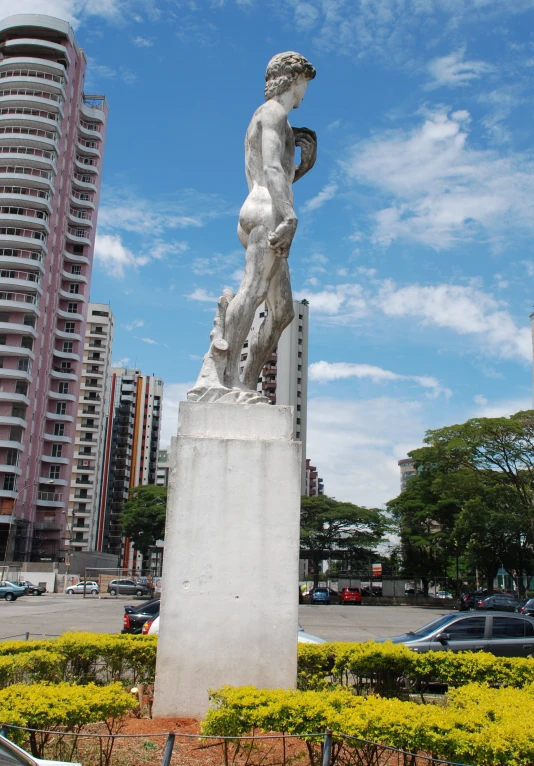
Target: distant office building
284	378
93	411
314	484
130	453
407	470
162	473
51	149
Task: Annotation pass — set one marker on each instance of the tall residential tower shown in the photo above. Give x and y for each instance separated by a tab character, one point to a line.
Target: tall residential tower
51	149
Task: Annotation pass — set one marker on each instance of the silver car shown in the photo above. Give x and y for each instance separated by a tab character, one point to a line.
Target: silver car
90	587
500	633
13	755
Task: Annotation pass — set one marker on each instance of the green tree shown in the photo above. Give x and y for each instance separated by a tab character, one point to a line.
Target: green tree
143	517
339	531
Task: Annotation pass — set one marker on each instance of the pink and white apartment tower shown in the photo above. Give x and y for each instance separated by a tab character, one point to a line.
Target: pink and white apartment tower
51	149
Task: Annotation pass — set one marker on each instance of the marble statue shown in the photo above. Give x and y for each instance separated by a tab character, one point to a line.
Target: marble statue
267	225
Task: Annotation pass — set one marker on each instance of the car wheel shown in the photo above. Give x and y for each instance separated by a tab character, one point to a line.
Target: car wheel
94	592
70	592
39	593
138	592
10	597
113	592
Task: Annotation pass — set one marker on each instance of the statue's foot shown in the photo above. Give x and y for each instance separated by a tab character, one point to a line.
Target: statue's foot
224	395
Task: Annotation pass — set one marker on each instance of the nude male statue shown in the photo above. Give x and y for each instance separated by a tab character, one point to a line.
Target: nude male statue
267	225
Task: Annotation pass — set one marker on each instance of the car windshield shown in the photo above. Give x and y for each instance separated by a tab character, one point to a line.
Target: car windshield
11	757
426	630
352	590
321	590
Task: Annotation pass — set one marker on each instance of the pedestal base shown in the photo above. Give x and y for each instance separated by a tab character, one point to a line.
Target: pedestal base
229	609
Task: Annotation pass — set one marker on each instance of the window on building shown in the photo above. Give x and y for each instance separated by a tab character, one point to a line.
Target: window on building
298	421
4	316
10	481
29	320
299	368
1	361
59	429
100	313
72	308
70	326
66	366
74	287
76	269
61	408
68	345
18	412
57	450
24	365
300	354
54	471
297	435
3	339
21	387
26	342
63	388
298	408
300	341
12	457
15	434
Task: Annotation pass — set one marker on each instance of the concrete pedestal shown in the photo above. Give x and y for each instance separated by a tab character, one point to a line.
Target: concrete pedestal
229	610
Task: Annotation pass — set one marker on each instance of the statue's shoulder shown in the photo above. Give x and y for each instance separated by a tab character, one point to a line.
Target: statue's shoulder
270	114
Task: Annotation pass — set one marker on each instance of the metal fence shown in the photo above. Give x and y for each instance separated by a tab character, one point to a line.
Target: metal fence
322	749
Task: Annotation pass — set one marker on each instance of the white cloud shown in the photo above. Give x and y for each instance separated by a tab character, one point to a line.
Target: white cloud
173	394
503	408
453	70
125	210
150	341
134	324
441	191
346	299
142	42
479	399
327	193
200	294
355	445
121	362
325	371
114	256
465	310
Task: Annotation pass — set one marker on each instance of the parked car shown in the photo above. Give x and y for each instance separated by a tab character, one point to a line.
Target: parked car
350	596
125	587
10	591
376	591
33	590
443	594
13	755
324	596
500	633
90	586
468	600
151	627
497	603
135	618
526	607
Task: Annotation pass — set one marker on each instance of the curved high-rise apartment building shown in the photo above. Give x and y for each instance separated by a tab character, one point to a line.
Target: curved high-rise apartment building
51	150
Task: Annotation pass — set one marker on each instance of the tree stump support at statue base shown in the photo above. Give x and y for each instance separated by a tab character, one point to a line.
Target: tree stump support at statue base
229	608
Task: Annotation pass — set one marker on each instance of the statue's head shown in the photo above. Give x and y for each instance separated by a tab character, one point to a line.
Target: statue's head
283	70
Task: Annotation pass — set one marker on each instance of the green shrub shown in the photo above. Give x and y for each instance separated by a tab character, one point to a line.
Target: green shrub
29	667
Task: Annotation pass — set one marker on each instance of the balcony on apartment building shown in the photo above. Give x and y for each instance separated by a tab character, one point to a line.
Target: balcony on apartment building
30	156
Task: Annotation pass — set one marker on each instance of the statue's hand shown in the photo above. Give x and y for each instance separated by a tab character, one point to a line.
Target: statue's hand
307	140
280	240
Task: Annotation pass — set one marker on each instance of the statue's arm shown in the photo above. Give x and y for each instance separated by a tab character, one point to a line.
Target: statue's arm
307	140
273	138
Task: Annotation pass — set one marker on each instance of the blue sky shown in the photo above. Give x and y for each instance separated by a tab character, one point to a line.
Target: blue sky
415	226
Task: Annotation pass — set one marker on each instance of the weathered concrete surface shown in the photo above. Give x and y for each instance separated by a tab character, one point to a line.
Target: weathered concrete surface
229	610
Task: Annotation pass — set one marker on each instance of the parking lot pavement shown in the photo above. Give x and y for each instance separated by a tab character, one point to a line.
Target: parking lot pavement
53	614
363	623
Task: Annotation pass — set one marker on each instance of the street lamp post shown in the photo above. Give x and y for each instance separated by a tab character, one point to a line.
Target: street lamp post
11	533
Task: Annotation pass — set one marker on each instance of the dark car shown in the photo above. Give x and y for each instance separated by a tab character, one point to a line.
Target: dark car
32	589
324	596
526	606
497	602
135	618
500	633
10	591
124	587
468	600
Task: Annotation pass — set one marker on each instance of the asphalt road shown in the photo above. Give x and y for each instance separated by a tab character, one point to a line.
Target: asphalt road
53	614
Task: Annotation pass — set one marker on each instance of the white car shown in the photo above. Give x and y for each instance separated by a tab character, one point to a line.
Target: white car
152	627
13	755
90	587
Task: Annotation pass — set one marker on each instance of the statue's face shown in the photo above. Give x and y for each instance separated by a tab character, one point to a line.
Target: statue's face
299	89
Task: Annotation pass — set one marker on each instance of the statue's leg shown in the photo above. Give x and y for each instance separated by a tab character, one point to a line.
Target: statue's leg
259	264
279	315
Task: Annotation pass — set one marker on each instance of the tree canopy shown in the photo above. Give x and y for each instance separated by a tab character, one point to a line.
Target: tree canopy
472	500
339	531
143	516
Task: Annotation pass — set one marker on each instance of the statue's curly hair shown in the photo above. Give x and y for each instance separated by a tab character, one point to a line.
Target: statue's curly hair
283	69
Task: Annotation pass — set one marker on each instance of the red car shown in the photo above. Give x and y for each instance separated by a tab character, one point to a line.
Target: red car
350	596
